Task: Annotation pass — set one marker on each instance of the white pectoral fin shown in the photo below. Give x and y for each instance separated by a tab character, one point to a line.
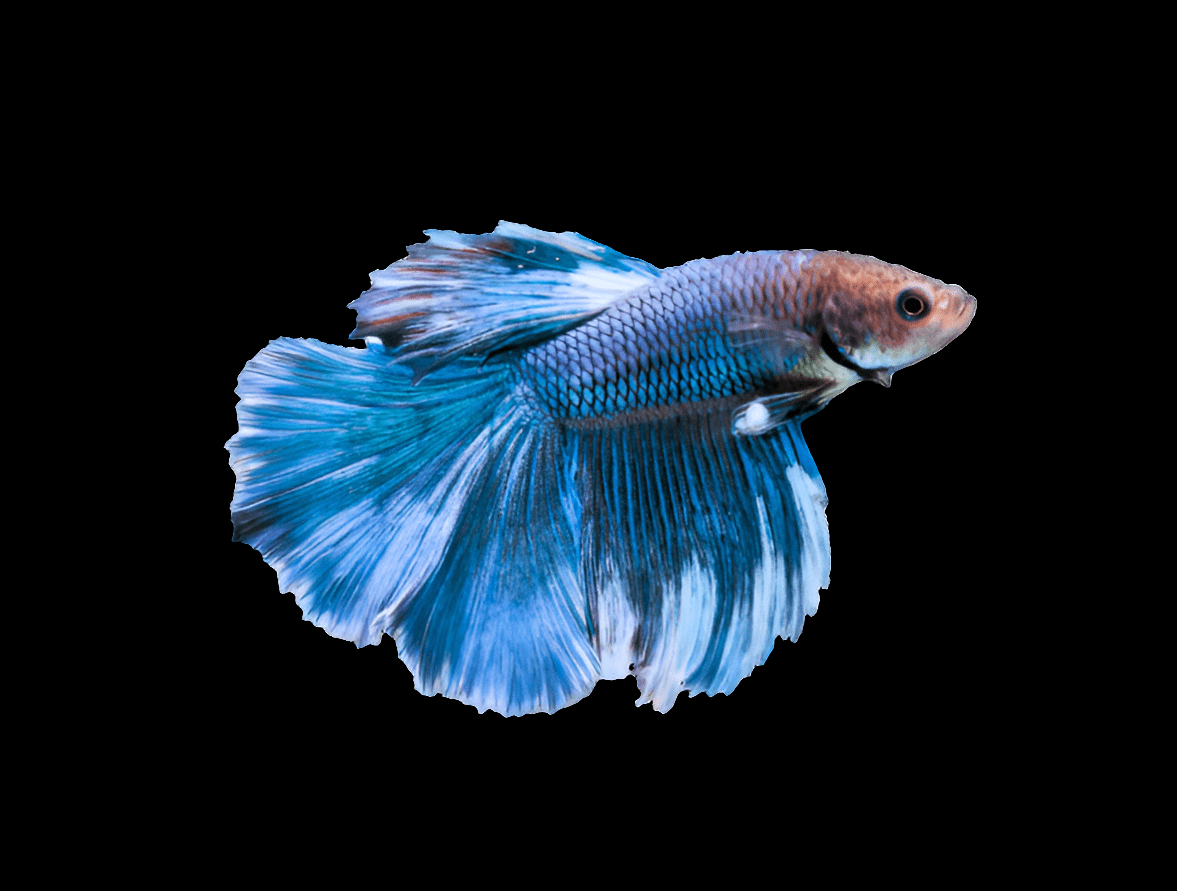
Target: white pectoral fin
766	413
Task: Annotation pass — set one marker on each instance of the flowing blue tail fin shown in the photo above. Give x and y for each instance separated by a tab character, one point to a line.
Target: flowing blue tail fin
385	505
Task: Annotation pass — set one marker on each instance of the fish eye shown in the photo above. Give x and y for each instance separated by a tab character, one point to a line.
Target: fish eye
912	305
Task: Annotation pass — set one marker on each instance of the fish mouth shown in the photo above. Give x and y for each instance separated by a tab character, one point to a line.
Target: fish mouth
880	376
970	308
960	321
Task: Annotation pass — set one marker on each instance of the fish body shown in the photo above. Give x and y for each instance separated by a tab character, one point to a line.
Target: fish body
554	463
724	331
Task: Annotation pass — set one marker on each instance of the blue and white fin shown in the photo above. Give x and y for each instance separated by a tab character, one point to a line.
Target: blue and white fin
699	549
439	511
766	413
502	623
466	295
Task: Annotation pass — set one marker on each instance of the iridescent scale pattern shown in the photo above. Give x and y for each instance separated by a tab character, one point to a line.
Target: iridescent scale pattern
667	343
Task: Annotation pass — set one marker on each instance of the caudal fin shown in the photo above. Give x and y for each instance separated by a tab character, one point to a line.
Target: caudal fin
437	511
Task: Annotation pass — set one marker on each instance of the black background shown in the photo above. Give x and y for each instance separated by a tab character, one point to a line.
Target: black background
906	642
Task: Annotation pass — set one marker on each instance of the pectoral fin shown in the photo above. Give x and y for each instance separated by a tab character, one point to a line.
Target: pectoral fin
769	412
777	340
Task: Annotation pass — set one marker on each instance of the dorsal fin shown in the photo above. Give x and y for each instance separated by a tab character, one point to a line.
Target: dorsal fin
478	295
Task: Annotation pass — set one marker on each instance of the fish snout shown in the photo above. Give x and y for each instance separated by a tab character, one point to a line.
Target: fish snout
962	307
968	306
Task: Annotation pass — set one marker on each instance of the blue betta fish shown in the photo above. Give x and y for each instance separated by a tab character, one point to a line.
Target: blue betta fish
553	463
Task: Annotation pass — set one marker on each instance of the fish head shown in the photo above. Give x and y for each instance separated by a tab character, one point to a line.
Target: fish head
878	317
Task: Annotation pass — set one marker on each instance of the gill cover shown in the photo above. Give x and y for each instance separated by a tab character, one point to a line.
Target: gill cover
853	338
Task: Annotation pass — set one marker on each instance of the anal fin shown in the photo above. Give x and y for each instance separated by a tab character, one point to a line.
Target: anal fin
698	549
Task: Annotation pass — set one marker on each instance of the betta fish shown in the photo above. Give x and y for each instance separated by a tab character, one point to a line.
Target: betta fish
551	463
